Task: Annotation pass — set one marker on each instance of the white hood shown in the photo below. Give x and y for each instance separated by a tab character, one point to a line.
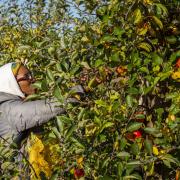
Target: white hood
8	83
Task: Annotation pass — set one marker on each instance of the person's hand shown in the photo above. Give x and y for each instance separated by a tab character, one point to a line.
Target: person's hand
78	89
77	92
72	101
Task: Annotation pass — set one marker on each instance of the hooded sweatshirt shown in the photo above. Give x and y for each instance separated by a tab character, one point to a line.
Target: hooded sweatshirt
8	83
16	115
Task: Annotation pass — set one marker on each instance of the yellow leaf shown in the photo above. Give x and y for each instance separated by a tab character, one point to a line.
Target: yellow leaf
96	29
77	96
162	151
176	75
36	158
149	2
151	169
172	117
142	31
72	171
155	151
116	145
90	129
85	39
80	160
137	16
123	108
177	174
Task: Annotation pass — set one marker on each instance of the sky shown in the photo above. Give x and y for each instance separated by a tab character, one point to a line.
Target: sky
73	10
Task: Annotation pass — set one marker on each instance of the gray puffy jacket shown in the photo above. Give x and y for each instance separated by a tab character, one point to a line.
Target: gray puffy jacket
17	116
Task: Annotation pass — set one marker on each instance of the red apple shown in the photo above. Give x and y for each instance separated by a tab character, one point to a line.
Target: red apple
78	173
137	134
178	63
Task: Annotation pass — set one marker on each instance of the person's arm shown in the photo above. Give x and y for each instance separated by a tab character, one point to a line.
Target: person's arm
24	115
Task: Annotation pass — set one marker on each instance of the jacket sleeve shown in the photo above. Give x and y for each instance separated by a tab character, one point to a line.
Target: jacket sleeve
24	115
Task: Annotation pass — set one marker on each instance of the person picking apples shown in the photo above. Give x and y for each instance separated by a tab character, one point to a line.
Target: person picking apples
17	116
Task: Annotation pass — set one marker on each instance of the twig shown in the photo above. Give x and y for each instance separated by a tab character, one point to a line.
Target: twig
128	12
21	154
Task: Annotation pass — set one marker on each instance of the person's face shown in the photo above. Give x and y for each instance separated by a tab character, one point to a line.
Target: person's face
25	80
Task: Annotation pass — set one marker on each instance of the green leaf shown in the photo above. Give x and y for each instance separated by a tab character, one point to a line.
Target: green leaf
99	62
171	39
156	80
58	95
147	90
134	126
65	119
69	132
58	67
131	168
23	48
56	132
32	97
133	90
101	11
120	169
123	143
148	146
107	38
106	177
91	83
106	162
97	120
145	46
157	60
134	163
118	31
115	57
106	125
106	19
37	84
114	96
135	148
123	154
77	143
44	85
75	69
162	9
7	165
158	22
151	130
101	103
129	101
60	124
164	75
65	65
51	50
50	75
172	95
81	113
140	116
85	64
132	176
170	158
144	69
174	56
167	163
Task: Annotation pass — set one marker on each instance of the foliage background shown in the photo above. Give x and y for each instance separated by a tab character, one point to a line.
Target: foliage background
125	54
